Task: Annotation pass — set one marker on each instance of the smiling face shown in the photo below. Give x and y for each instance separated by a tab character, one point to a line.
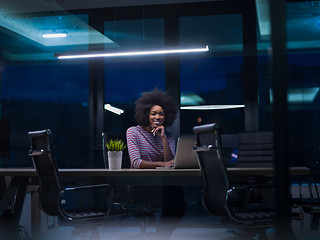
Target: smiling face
156	116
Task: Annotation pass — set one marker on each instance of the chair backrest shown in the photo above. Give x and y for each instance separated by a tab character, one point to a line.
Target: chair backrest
255	149
42	154
208	147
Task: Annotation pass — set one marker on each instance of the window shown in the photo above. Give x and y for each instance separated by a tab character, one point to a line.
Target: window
303	84
38	91
126	78
39	96
215	78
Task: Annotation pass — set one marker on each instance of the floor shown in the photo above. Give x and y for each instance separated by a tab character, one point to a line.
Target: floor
200	226
196	225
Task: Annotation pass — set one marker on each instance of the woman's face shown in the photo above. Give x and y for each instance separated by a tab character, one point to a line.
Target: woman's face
156	116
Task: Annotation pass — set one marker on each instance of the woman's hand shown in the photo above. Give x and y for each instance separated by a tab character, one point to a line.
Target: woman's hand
168	163
159	131
148	164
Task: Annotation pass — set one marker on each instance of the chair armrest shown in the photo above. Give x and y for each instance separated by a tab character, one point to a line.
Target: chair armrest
36	152
203	148
87	187
249	186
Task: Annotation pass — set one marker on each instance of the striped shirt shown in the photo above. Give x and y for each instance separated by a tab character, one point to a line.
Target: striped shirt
143	145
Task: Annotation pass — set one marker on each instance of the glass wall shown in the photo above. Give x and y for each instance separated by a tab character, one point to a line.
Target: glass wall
40	96
303	33
38	91
303	82
126	78
211	83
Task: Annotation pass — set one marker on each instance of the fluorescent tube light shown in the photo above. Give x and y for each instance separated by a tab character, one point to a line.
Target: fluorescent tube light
54	35
211	107
129	53
113	109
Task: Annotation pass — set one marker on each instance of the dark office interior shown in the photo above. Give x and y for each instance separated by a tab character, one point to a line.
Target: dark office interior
261	73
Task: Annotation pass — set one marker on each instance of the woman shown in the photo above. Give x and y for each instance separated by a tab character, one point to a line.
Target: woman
151	146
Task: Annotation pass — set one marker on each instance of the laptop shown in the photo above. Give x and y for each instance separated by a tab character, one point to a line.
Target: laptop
186	157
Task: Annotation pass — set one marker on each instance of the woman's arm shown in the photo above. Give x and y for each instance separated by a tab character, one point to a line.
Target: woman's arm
167	153
148	164
135	157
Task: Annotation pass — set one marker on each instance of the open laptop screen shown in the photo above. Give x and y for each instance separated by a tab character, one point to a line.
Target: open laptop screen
186	157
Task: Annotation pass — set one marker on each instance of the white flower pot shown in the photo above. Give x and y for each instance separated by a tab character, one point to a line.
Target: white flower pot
114	160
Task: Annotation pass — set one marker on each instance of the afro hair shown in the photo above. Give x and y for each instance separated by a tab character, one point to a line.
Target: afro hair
150	99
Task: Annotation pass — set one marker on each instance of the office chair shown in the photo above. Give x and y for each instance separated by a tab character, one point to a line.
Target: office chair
52	191
220	197
255	149
309	200
12	196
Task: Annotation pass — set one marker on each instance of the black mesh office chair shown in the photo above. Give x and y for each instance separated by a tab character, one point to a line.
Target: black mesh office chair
309	200
52	192
255	149
220	197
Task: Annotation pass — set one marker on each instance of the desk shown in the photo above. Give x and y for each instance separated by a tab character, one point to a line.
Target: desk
150	176
124	176
261	171
22	176
252	171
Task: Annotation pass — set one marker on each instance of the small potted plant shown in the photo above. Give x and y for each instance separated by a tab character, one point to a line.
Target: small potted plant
115	149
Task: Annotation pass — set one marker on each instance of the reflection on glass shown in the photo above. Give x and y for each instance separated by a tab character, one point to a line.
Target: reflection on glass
215	80
303	34
40	96
126	78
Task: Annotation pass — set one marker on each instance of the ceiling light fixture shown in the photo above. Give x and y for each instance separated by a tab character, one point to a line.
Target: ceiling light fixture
54	35
211	107
129	53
